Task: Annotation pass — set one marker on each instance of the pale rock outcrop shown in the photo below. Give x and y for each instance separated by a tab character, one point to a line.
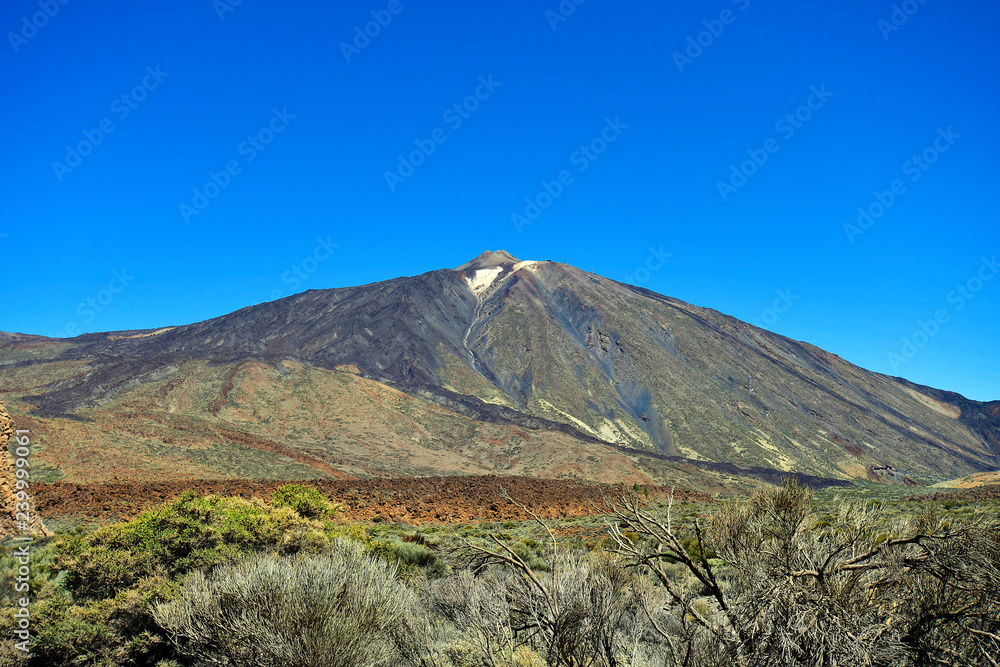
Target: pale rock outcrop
8	484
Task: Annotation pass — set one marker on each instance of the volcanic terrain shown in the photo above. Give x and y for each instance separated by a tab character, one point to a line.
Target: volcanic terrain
497	367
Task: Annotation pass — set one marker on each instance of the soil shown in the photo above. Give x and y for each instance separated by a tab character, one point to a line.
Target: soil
404	500
988	492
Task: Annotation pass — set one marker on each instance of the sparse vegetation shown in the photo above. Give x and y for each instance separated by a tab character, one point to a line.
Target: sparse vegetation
781	578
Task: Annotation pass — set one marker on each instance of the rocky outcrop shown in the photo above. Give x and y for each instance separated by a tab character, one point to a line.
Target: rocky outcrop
8	485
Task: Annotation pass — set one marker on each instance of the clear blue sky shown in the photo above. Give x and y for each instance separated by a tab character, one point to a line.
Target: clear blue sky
329	121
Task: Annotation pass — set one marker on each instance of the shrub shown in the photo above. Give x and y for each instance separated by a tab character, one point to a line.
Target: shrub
66	632
306	501
414	554
186	534
109	633
43	581
784	590
585	612
331	610
97	611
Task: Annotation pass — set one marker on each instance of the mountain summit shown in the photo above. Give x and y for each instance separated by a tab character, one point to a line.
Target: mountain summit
500	365
490	259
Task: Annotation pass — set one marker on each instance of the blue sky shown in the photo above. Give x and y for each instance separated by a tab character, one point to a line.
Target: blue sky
169	162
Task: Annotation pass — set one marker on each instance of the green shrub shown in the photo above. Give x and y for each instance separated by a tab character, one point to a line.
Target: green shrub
96	591
108	633
539	564
186	534
306	501
65	632
522	550
43	581
414	554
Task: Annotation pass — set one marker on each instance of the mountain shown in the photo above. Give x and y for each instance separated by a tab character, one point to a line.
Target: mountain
498	366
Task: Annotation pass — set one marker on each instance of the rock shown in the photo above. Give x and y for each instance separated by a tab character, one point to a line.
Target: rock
8	485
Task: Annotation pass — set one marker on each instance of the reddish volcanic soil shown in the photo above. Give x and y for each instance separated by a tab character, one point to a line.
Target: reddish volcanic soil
410	500
988	492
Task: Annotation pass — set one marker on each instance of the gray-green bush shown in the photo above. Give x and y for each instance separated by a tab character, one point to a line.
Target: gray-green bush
331	610
858	590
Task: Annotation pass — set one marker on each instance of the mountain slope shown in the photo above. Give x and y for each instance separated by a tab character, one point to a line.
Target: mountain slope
537	346
632	366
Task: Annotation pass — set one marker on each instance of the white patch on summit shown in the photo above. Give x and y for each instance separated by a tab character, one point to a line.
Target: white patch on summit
483	278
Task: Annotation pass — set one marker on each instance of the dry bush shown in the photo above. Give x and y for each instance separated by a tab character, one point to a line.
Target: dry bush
332	610
856	590
579	612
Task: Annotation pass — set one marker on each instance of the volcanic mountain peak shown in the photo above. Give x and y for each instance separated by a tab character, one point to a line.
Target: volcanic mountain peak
499	365
490	259
481	273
